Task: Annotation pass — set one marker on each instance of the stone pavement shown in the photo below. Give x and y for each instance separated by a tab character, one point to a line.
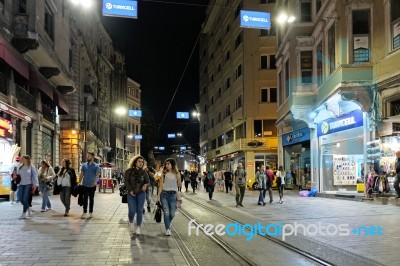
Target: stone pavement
49	238
383	249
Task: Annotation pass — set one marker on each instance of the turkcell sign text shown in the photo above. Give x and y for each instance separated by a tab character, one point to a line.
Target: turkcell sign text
120	8
254	19
348	121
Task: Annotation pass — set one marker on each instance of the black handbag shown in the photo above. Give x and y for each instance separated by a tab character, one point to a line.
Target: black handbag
158	212
124	198
124	194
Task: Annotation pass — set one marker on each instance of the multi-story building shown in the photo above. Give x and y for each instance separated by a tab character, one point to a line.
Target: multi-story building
58	69
134	122
238	90
338	77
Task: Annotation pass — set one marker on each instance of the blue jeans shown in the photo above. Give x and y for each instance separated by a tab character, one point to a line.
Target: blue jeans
135	206
45	196
25	192
168	200
261	197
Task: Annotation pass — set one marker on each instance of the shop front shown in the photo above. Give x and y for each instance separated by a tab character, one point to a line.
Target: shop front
342	145
296	159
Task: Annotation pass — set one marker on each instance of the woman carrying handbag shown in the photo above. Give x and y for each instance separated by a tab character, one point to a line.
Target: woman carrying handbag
168	192
66	181
46	174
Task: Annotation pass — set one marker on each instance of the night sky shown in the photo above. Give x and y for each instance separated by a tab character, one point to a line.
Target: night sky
157	47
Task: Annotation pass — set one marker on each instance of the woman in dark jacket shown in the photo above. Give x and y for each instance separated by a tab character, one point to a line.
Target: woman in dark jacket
66	180
136	182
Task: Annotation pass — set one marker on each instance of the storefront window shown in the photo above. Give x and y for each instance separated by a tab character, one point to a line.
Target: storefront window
257	128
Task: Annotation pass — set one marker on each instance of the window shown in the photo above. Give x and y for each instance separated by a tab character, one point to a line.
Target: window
213	144
212	77
238	102
212	100
305	11
238	40
238	71
318	5
219	42
205	108
2	6
204	89
263	1
228	111
306	65
257	128
395	19
221	140
21	6
227	56
280	86
319	64
264	62
49	23
70	55
361	25
331	49
229	136
219	117
219	93
287	77
237	11
268	95
212	56
219	68
227	83
212	122
272	61
204	128
227	29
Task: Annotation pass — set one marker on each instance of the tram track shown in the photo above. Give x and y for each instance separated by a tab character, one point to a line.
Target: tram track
288	246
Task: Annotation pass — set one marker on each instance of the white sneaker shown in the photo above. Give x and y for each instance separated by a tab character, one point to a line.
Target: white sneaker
138	231
29	212
84	215
168	232
90	215
131	227
23	216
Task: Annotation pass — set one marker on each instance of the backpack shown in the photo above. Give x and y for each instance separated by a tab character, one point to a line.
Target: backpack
210	180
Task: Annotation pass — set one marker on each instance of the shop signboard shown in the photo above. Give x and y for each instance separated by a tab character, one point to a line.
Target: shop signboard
120	8
296	136
254	19
344	122
6	129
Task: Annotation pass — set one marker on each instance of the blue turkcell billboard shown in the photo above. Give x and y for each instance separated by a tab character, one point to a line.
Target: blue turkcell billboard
135	113
120	8
348	121
138	137
182	115
254	19
171	136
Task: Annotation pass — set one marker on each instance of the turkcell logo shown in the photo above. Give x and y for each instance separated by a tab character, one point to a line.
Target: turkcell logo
120	8
182	115
249	231
135	113
253	19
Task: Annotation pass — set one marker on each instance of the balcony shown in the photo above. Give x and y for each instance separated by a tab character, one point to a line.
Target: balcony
23	39
245	144
48	114
26	99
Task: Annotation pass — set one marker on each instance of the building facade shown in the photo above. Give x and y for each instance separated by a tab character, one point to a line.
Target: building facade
132	144
238	89
338	82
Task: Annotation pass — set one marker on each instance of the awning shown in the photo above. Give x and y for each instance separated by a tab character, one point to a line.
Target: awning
14	112
36	80
59	100
14	59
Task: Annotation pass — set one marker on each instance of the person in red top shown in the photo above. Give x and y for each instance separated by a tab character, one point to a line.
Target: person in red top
270	180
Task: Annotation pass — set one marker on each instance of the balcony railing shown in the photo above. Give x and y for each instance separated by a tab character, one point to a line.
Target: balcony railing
48	114
26	99
245	144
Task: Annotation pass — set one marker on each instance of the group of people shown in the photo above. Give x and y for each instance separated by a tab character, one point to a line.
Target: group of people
264	179
26	179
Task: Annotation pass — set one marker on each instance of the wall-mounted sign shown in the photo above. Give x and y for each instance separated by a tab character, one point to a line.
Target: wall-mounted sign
120	8
182	148
138	137
345	122
296	136
182	115
254	19
6	129
171	136
135	113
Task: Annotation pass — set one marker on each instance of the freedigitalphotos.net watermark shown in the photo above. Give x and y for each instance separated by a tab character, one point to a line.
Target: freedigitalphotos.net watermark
282	230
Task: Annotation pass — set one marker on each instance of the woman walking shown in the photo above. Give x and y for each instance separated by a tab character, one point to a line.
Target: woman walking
168	192
280	181
46	174
29	182
136	182
209	184
261	179
67	181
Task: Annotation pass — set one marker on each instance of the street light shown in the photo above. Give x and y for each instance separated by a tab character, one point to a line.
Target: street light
284	18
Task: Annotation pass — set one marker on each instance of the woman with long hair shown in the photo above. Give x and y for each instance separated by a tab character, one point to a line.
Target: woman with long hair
29	181
280	181
168	192
46	174
136	182
261	179
66	180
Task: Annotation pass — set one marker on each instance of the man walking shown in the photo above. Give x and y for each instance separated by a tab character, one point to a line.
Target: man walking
228	180
90	172
240	184
397	181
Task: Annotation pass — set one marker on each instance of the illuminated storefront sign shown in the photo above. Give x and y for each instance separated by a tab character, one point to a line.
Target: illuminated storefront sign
253	19
6	129
296	136
345	122
120	8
